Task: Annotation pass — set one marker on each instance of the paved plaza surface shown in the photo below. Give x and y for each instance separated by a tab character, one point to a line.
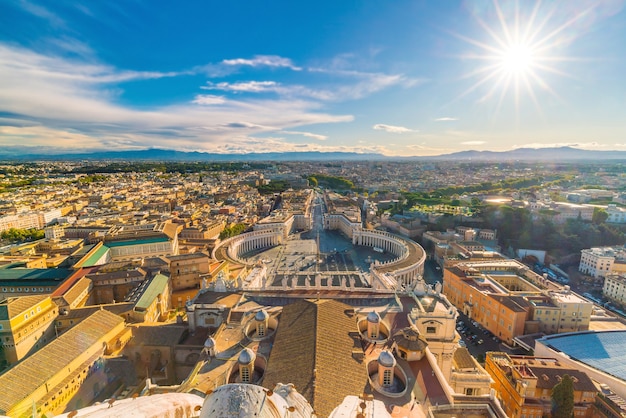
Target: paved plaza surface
318	252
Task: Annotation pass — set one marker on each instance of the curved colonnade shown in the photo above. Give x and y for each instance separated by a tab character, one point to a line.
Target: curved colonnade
401	272
234	247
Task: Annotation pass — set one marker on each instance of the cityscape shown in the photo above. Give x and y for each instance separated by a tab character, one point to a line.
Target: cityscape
342	209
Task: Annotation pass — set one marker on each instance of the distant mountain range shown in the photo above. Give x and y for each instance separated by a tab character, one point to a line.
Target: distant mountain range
560	154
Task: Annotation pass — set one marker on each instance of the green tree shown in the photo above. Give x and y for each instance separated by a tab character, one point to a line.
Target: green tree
232	231
563	398
599	216
21	235
312	181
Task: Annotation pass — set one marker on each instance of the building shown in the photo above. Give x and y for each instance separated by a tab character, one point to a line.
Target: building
598	262
19	281
600	354
614	288
616	214
186	270
152	298
47	380
509	300
314	350
26	324
524	384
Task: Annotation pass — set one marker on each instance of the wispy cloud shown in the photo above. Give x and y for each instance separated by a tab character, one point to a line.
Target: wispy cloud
73	103
473	143
392	129
446	119
43	13
208	99
272	61
306	134
245	86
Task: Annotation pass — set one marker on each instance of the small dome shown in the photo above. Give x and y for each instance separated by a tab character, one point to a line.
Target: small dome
246	356
261	316
373	317
386	359
209	343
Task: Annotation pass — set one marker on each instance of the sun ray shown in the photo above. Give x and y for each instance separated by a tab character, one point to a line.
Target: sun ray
531	93
562	27
531	20
517	52
505	27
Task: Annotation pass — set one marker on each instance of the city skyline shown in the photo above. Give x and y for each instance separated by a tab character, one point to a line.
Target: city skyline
408	78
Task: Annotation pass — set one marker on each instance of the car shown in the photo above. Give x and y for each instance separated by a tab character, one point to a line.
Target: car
479	342
462	343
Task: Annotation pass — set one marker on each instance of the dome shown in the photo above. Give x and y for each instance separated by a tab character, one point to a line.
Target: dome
246	356
386	359
261	316
373	317
209	343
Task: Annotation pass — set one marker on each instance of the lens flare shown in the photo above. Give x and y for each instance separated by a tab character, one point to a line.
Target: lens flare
520	51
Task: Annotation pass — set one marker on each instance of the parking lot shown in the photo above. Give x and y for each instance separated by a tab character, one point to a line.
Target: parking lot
479	340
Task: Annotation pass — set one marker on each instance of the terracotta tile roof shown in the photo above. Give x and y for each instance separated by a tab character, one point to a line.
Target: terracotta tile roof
548	377
313	349
514	303
34	371
75	291
85	311
16	306
160	335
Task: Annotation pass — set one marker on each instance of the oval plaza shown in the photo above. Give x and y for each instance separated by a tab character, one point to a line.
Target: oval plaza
323	246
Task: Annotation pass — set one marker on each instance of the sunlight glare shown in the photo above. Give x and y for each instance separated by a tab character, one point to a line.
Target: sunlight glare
518	49
517	59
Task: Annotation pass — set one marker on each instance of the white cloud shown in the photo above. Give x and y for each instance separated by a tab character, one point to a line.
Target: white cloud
445	119
273	61
306	134
392	129
70	103
246	86
208	99
473	143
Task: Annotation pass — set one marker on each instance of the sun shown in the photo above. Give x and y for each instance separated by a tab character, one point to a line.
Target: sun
519	49
517	59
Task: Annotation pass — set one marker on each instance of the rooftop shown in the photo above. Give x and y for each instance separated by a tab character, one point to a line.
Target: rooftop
603	350
33	372
156	287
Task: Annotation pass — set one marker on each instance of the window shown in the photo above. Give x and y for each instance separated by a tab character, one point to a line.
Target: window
431	330
387	377
245	375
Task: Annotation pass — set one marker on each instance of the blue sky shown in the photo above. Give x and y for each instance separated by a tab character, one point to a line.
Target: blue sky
393	77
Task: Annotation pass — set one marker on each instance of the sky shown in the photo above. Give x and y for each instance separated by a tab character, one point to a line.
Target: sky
402	77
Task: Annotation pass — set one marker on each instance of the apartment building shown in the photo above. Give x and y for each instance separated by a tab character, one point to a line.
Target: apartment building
614	288
600	261
616	214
